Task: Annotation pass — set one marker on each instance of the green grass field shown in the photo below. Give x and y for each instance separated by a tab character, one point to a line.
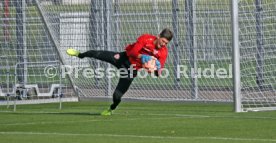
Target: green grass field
135	122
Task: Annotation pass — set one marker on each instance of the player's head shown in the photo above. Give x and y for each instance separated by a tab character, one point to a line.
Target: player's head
164	38
166	33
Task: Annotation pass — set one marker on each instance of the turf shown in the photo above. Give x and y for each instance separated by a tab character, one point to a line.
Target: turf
135	122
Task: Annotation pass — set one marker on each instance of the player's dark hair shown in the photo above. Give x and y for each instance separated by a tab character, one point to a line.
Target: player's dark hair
166	33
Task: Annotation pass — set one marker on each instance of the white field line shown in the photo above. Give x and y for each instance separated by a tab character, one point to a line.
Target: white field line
144	116
139	136
80	121
211	116
168	115
45	123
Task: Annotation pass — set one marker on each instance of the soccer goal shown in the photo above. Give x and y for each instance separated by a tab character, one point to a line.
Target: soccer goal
202	55
29	62
257	54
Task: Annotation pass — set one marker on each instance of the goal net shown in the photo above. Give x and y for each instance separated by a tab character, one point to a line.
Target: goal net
258	50
198	66
27	55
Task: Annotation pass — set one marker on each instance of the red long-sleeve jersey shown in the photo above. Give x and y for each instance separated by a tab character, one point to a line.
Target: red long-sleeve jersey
145	45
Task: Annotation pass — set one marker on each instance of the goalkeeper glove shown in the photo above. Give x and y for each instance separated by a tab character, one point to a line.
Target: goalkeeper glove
145	58
158	64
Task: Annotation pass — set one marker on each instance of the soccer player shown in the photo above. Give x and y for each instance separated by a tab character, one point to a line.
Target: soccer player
136	55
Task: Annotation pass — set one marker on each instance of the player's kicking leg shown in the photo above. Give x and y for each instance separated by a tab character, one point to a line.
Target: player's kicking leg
115	59
106	56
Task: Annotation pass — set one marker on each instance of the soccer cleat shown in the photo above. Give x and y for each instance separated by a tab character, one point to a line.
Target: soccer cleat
73	52
107	112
